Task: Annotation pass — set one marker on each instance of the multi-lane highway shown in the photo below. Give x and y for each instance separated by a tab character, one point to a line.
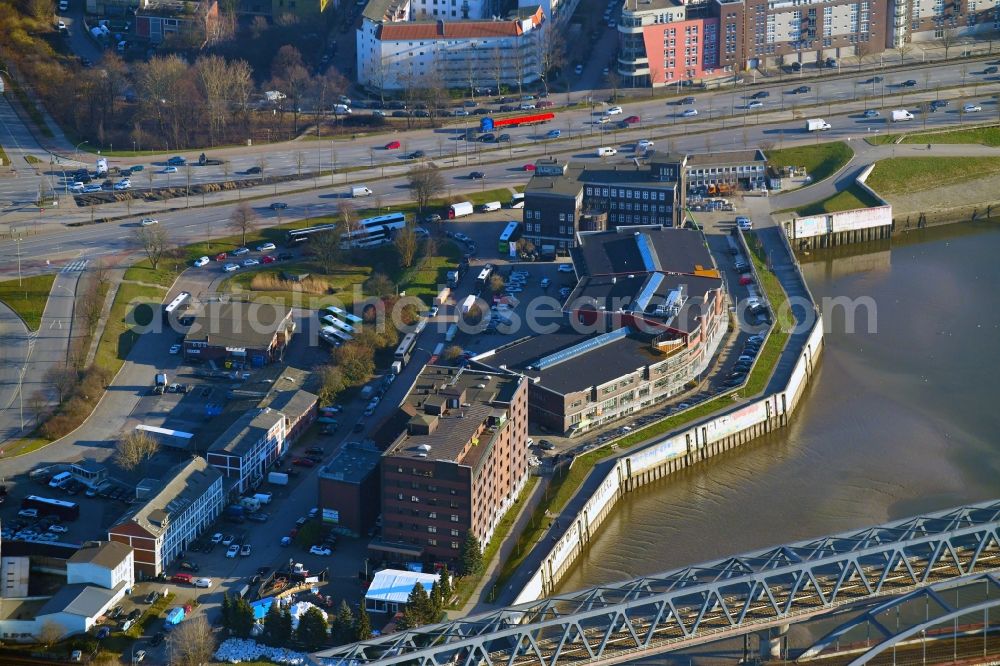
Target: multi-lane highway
781	122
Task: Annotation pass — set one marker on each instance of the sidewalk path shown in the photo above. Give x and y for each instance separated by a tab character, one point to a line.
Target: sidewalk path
46	348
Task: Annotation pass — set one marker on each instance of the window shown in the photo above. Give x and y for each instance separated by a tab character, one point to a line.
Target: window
432	529
454	545
454	533
454	518
432	542
432	515
414	498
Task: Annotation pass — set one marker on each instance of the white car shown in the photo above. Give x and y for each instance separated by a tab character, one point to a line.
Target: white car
247	263
175	349
58	529
691	113
433	312
643	144
170	169
565	268
149	221
245	550
233	551
203	582
217	537
201	261
756	104
139	655
77	187
615	111
527	106
123	185
61	25
972	108
93	187
229	268
320	550
266	247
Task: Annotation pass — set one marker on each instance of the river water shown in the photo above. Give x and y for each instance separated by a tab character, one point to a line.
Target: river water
898	421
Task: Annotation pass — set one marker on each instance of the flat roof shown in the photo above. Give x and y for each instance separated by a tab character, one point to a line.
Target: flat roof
107	554
622	251
595	367
566	184
620	294
454	404
238	325
552	177
247	431
395	585
184	484
352	464
727	158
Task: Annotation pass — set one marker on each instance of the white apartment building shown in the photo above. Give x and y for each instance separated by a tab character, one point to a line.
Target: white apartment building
174	515
249	447
397	47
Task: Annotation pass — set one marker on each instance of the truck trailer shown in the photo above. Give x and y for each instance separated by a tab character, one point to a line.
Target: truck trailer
489	124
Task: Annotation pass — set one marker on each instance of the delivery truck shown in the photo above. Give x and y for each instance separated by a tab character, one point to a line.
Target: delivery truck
102	166
899	115
360	191
817	125
160	382
460	209
468	304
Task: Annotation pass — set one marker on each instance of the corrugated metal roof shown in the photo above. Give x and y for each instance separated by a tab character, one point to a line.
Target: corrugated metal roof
394	585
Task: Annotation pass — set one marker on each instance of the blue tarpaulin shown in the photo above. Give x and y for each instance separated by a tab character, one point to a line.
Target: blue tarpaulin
261	607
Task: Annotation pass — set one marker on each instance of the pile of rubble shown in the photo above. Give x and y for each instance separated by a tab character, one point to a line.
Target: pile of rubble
238	650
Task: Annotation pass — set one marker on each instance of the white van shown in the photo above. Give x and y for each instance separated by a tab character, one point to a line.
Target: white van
60	479
517	201
606	152
360	191
341	109
490	207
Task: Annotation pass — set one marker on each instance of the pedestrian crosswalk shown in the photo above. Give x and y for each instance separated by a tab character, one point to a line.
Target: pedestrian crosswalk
74	266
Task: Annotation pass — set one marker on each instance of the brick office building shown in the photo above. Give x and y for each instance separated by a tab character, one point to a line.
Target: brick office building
456	467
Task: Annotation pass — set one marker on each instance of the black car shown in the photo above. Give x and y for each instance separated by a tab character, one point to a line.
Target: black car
477	175
909	83
400	114
422	113
796	66
263	571
188	566
316	449
284	256
507	108
417	154
255	169
177	160
990	70
481	112
801	89
760	95
687	100
546	444
488	138
152	597
395	105
503	138
157	638
279	205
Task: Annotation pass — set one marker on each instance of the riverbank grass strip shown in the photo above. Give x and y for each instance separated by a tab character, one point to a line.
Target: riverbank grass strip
27	297
820	160
903	175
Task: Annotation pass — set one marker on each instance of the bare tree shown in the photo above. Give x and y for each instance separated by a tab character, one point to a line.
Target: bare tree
904	48
153	242
300	159
191	643
326	248
50	632
613	82
134	449
378	76
498	66
425	182
63	379
924	109
242	221
406	244
948	39
348	217
551	52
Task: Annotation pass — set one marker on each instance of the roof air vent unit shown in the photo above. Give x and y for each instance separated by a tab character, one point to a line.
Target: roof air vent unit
424	447
480	386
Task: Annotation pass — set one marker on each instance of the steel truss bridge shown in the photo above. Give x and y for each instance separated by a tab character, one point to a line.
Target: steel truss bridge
679	609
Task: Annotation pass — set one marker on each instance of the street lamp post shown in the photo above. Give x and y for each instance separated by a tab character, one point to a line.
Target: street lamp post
76	149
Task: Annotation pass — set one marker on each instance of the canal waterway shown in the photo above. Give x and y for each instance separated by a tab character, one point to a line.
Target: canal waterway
898	421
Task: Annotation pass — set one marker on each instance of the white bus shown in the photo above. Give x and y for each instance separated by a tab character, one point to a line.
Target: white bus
334	335
373	231
343	316
336	323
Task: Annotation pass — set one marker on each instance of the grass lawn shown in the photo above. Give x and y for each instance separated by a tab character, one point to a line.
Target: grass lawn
119	336
821	160
900	175
849	199
987	136
467	585
28	298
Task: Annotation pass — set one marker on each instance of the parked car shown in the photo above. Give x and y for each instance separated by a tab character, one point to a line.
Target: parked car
250	262
229	268
320	550
233	551
614	111
245	550
266	247
148	221
201	261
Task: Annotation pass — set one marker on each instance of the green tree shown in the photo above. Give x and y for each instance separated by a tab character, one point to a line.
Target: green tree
356	362
472	555
312	629
286	625
436	600
446	591
274	627
332	384
363	627
342	627
242	618
227	611
420	605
